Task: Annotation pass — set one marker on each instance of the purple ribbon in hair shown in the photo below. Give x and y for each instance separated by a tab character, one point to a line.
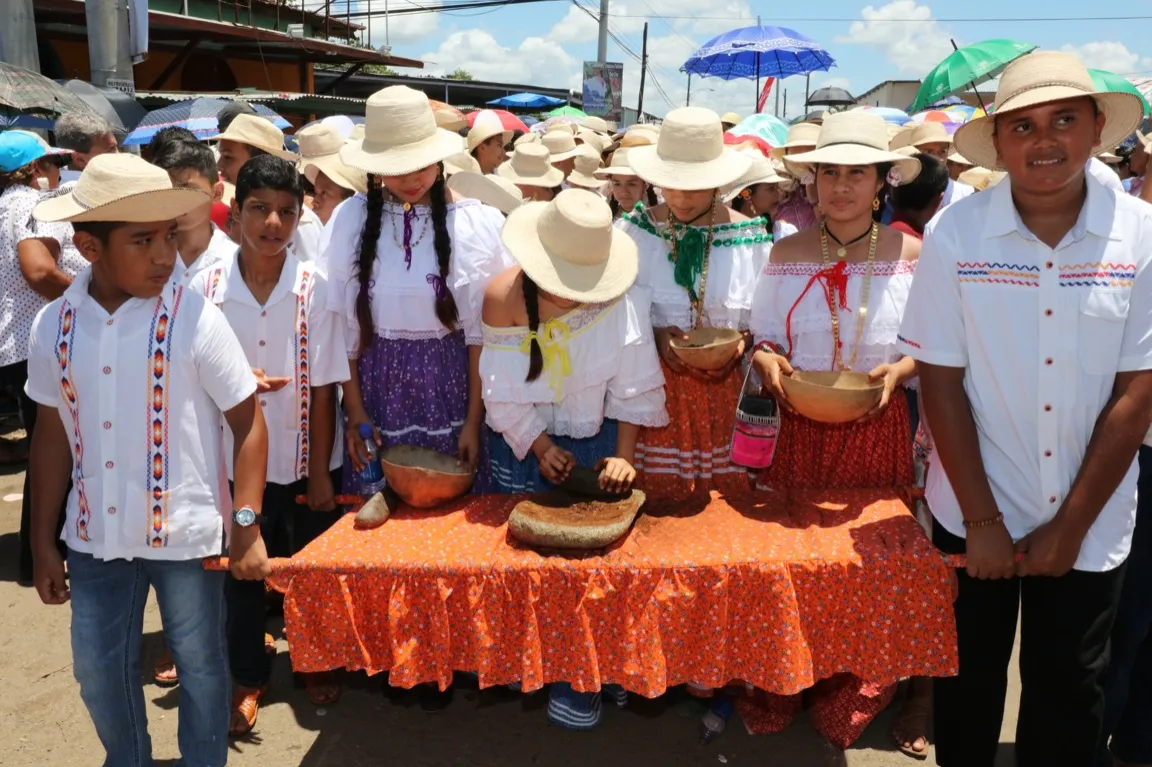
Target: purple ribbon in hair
437	283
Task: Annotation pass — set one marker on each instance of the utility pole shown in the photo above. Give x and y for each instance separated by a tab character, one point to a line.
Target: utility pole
602	40
688	96
109	44
643	72
18	36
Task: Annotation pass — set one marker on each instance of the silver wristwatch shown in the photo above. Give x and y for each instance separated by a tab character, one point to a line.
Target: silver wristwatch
244	516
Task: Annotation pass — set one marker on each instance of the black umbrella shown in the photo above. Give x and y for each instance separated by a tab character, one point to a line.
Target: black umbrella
118	108
28	92
831	97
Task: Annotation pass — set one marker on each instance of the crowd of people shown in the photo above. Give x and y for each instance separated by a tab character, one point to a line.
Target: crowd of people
199	341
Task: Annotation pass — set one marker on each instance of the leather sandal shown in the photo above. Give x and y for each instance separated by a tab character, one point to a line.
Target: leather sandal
164	673
322	687
911	727
245	708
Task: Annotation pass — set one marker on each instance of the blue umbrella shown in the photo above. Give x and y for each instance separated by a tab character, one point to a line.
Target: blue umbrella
526	101
755	52
196	115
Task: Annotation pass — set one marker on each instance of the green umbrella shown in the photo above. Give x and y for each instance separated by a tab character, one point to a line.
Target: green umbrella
567	111
968	67
1107	81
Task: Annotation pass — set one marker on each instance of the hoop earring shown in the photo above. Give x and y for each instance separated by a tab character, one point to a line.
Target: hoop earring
876	204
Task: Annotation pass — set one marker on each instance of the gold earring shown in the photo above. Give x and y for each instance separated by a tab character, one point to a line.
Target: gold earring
876	204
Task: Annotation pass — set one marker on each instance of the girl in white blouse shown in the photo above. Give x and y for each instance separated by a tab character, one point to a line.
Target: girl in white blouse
569	366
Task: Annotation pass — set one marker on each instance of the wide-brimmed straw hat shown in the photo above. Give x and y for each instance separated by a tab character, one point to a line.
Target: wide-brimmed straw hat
853	138
258	132
762	171
929	133
486	126
491	190
598	141
561	144
639	135
690	153
121	187
400	135
800	136
320	147
618	167
1043	77
531	165
460	162
570	248
527	138
596	124
959	159
730	118
587	163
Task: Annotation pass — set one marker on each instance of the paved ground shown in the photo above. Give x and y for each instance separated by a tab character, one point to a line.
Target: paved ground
43	722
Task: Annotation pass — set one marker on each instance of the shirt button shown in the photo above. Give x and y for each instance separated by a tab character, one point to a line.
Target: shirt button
111	509
264	314
1048	361
1052	499
109	465
107	370
1047	453
261	343
1047	312
1047	408
107	424
1048	265
263	403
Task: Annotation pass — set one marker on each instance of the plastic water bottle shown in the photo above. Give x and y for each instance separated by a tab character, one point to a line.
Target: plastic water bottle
714	722
372	475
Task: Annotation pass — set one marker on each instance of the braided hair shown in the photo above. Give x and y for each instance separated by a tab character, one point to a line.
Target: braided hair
532	305
446	310
367	257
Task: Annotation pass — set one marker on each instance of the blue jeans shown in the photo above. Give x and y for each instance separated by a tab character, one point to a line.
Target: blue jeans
1128	681
107	629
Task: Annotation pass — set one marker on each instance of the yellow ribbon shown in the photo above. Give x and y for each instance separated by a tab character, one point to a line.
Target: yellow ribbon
553	340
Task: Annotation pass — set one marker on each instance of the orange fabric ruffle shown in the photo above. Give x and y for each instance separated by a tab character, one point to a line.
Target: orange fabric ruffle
780	590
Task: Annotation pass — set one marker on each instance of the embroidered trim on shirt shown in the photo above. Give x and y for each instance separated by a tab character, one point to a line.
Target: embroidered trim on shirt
65	338
212	283
1002	274
1097	274
804	269
160	355
303	388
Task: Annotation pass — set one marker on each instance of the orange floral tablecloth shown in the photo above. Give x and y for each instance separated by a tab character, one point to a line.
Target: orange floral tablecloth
780	590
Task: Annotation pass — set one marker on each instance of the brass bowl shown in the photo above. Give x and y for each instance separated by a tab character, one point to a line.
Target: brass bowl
831	397
707	348
424	478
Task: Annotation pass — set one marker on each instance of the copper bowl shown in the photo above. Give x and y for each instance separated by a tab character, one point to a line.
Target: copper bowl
707	348
424	478
831	397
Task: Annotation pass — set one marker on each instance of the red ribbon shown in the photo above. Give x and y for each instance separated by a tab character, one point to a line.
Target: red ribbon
833	279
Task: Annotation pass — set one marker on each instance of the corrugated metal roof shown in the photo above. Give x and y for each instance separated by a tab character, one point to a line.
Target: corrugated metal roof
246	95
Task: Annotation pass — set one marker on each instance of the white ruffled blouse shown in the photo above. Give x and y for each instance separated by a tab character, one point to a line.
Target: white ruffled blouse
600	362
780	287
739	253
403	297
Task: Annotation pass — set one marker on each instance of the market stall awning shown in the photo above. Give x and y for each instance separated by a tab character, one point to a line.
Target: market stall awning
302	103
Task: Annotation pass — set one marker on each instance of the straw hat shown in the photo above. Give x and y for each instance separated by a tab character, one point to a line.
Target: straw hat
357	133
486	126
853	138
690	153
459	163
531	165
730	118
598	141
561	144
595	124
491	190
800	135
587	163
618	167
959	159
640	135
527	138
928	133
902	138
762	171
1042	77
981	178
121	187
256	131
570	248
1108	157
400	135
320	153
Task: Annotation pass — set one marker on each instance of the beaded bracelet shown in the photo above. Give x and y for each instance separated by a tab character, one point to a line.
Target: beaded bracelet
970	525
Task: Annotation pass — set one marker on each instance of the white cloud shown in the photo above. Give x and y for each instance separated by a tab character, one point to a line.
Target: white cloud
399	29
536	61
1111	56
905	32
578	26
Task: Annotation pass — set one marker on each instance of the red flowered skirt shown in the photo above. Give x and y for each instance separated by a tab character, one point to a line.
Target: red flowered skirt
876	453
692	453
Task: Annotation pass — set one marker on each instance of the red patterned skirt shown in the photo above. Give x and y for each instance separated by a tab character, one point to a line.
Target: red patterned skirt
692	453
877	453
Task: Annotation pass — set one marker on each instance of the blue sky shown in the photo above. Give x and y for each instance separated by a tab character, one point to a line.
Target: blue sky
544	43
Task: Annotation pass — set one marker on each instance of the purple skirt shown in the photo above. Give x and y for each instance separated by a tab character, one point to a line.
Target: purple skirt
416	392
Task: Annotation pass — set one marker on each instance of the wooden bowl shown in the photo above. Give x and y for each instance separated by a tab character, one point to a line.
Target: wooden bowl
424	478
558	520
707	348
831	397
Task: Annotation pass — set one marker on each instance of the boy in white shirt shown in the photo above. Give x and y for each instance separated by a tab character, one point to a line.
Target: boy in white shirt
200	243
134	376
277	306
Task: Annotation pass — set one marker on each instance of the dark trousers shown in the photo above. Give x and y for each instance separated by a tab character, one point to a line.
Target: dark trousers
1064	634
286	527
1128	681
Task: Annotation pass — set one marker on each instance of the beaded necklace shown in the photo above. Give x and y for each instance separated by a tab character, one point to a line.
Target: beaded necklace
408	244
862	312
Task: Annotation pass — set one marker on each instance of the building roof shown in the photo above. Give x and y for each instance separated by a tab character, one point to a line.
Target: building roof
460	93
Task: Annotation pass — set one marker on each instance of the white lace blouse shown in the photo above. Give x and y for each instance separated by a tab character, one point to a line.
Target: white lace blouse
780	287
600	362
739	252
403	297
